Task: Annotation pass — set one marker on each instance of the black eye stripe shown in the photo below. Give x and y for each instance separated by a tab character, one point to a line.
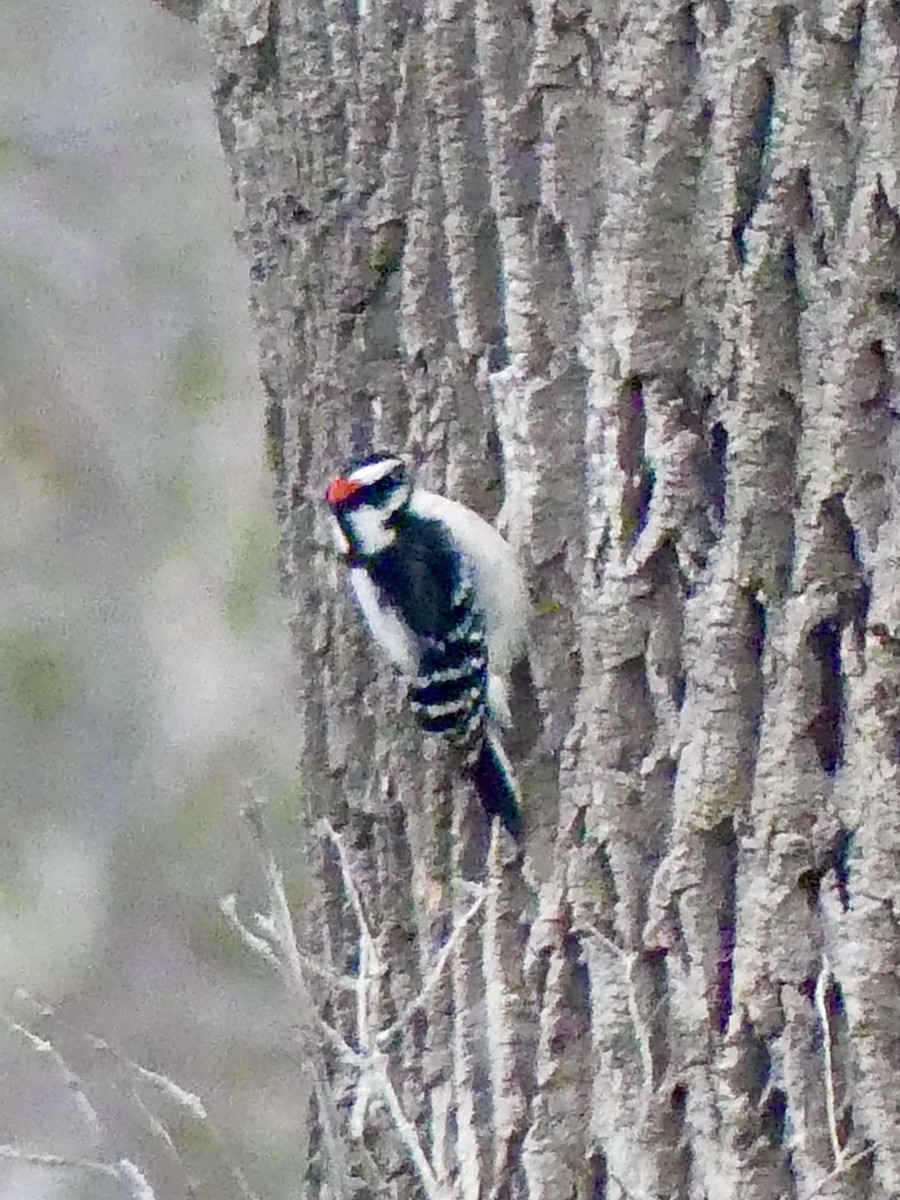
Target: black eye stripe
384	487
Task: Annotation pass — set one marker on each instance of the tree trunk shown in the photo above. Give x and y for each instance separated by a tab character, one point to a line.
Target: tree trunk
625	276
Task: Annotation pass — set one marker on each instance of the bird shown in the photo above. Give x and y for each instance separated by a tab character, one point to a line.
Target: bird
444	599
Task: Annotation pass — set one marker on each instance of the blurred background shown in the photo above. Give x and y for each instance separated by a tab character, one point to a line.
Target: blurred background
144	660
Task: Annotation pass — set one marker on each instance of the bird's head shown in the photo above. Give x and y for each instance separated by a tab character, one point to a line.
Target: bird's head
367	501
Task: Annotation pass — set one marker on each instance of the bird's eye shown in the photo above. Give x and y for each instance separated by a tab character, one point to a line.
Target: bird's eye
380	491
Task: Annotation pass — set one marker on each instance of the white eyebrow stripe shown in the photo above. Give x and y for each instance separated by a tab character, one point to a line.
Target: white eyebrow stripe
372	472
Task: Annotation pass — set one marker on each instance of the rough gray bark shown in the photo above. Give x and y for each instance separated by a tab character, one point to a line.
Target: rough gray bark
632	269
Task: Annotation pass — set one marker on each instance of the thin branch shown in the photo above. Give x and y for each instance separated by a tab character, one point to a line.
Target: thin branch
843	1161
185	1100
365	1085
282	923
378	1073
405	1129
259	946
127	1172
363	983
346	983
292	972
73	1085
436	971
821	1000
352	891
618	1182
370	969
179	1095
494	846
341	1046
641	1027
38	1159
124	1171
162	1083
839	1170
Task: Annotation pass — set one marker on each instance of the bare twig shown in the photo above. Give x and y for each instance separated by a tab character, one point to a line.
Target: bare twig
640	1026
434	975
39	1159
179	1095
618	1182
189	1103
129	1173
341	1046
162	1083
376	1071
291	969
72	1083
845	1165
278	947
366	1087
370	968
350	884
405	1129
259	945
821	1000
123	1171
346	983
843	1160
282	923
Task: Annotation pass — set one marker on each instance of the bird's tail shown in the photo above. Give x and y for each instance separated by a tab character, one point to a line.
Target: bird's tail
495	783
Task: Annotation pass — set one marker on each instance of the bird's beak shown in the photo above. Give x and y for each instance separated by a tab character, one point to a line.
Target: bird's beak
341	489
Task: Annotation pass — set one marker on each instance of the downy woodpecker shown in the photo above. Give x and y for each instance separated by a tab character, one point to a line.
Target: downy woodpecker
442	595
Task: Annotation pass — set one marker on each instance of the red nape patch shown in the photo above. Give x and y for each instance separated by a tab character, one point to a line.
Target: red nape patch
341	489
